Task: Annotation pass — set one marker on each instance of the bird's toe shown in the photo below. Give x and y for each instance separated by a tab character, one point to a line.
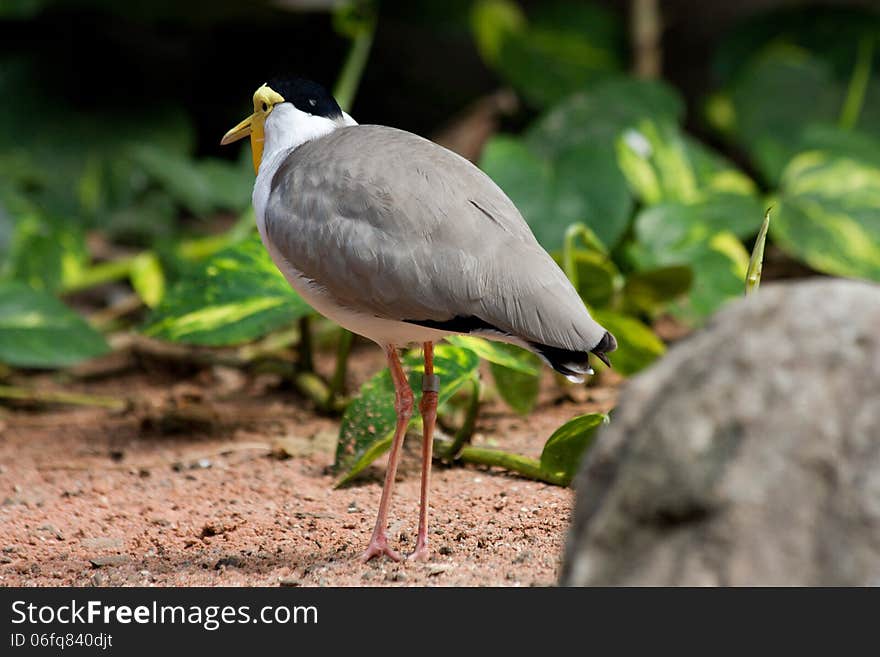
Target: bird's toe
377	548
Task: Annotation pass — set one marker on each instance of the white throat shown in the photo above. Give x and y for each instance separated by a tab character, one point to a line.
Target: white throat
286	128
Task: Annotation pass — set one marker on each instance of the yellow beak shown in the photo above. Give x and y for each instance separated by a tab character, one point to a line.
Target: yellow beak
253	126
240	131
265	98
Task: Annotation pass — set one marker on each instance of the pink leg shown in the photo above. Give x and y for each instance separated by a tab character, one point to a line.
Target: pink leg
428	409
403	403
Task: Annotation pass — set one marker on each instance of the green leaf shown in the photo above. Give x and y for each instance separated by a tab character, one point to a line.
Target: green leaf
582	184
500	353
662	165
562	47
235	296
37	330
831	33
829	214
777	98
148	279
564	450
91	175
699	236
648	290
564	171
597	117
143	220
493	21
45	254
517	372
596	277
178	175
756	261
637	345
369	420
518	390
518	386
231	184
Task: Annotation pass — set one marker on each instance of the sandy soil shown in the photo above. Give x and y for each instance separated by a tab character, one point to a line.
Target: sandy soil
241	491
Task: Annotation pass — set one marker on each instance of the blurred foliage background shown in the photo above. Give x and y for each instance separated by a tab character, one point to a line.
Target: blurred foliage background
642	140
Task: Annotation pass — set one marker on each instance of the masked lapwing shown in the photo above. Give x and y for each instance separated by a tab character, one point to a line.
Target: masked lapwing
402	241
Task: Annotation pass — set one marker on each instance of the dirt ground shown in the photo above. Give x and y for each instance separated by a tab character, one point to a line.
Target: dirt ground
213	477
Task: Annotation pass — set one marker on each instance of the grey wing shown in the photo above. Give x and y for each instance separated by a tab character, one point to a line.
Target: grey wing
397	227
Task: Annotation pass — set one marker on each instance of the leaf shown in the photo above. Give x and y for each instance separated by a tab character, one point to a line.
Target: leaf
235	296
663	165
144	220
500	353
178	175
564	450
37	330
492	21
582	184
756	261
560	48
647	290
776	99
597	278
691	235
231	185
637	345
91	175
369	420
518	386
516	371
831	33
829	214
597	117
45	254
148	279
564	170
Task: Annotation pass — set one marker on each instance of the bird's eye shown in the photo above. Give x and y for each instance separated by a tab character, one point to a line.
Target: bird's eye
265	107
312	102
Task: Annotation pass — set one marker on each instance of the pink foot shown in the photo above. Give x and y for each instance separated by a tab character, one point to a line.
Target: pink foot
378	547
421	553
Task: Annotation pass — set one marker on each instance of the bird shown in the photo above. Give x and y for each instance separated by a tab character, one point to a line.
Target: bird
404	242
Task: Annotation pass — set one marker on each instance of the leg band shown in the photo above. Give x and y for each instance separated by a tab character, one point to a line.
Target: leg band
430	383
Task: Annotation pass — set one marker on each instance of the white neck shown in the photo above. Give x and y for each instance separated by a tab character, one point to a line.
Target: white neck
288	127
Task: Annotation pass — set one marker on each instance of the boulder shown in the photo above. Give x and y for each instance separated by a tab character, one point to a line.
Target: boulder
749	455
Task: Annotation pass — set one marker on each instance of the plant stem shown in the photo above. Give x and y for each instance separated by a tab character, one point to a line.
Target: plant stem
306	359
313	387
195	249
858	84
103	272
590	240
343	350
353	69
59	397
646	28
523	465
466	432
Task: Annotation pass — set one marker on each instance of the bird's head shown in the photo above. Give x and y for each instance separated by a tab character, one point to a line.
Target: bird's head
294	108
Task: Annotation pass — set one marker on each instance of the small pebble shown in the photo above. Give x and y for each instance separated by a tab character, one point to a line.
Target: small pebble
111	560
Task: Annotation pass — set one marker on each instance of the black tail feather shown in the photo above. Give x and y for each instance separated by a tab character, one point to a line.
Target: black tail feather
575	364
569	363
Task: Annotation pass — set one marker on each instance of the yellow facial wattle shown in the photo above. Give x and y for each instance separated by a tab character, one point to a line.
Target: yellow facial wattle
265	98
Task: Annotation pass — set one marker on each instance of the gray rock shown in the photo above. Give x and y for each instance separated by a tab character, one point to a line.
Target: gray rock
749	455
